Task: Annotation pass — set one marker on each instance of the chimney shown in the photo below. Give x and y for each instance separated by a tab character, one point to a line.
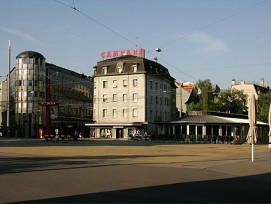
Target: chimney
233	82
262	82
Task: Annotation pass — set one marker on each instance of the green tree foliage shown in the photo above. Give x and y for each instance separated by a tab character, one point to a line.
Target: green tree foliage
201	97
263	105
206	94
204	99
231	101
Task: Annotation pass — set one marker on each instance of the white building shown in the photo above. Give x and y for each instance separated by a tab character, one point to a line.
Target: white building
131	94
250	88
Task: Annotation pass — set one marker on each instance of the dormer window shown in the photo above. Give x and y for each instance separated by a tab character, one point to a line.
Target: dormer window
134	68
119	67
104	70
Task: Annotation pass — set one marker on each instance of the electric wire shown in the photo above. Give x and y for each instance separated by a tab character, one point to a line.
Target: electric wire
120	35
163	45
214	23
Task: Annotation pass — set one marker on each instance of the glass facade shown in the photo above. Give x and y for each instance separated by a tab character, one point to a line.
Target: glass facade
28	88
34	84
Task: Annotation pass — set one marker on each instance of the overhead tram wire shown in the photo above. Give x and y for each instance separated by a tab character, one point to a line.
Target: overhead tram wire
183	37
121	36
99	23
214	23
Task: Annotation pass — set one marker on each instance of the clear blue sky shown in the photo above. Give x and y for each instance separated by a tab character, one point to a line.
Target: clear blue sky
218	40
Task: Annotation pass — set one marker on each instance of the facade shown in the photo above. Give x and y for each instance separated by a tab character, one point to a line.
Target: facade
3	105
131	94
183	93
47	98
251	88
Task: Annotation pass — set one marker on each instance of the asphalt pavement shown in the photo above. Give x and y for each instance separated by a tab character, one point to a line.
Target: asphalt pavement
112	171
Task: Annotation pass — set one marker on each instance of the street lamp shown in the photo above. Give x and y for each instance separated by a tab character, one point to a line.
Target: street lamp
158	49
8	105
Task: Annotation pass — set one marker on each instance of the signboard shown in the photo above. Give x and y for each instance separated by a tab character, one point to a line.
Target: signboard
49	103
117	53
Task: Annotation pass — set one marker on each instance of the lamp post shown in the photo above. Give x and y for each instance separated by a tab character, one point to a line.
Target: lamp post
48	103
8	105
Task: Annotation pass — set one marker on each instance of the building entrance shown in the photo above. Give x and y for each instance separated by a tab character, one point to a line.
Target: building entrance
119	133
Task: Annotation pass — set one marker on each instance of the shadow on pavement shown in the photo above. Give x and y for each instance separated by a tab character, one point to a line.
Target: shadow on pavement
31	164
249	189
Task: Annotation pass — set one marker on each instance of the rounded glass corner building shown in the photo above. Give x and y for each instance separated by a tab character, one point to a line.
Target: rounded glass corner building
27	89
48	98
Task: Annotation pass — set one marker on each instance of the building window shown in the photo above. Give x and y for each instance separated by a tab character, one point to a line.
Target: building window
125	83
114	113
124	97
94	114
104	113
151	114
119	69
134	68
134	112
114	83
151	84
134	97
105	84
151	100
134	82
156	85
104	70
125	113
114	97
105	98
165	87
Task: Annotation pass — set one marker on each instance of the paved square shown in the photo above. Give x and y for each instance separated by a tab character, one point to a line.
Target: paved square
110	171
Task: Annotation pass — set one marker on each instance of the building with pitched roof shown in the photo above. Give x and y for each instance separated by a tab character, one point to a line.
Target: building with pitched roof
131	94
251	88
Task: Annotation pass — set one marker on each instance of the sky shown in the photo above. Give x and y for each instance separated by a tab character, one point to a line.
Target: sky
219	40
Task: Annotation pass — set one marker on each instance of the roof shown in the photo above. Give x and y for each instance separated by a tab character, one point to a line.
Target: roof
212	119
29	54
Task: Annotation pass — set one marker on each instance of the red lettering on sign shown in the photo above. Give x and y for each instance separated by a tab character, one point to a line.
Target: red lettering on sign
115	53
108	54
122	52
135	51
141	52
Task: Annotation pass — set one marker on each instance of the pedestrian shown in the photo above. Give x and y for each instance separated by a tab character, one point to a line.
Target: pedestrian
80	136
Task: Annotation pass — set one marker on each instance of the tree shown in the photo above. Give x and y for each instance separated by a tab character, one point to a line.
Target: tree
231	101
204	98
263	105
206	93
201	97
